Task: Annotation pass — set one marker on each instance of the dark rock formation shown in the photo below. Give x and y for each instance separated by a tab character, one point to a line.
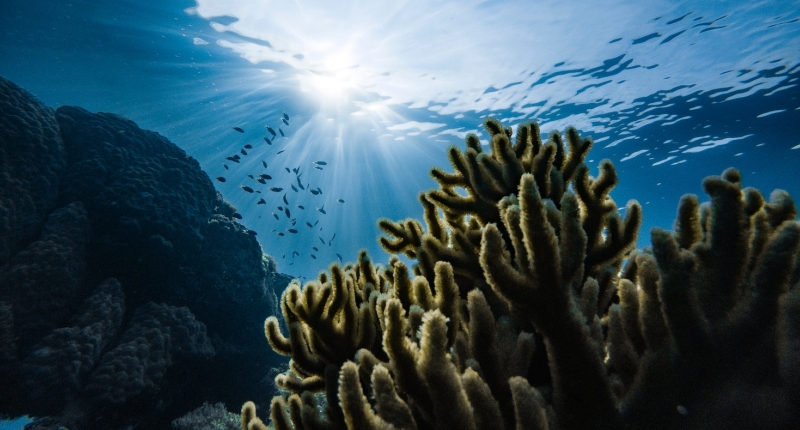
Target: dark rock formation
129	295
32	159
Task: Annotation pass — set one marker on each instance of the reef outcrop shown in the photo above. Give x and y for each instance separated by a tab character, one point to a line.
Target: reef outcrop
129	295
528	307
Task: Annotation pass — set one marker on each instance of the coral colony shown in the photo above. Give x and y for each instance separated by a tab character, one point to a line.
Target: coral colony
529	308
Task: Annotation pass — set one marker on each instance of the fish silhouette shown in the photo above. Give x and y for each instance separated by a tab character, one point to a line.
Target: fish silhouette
220	178
238	129
246	188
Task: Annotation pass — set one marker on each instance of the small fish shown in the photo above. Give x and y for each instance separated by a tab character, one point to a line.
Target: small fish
276	216
246	188
252	232
279	151
283	256
236	156
238	129
284	121
314	192
235	160
295	253
264	163
322	209
248	146
332	237
288	214
317	222
287	170
293	221
295	170
280	208
276	189
270	130
250	176
301	207
300	184
315	248
243	152
281	132
265	176
261	181
259	192
286	117
269	142
321	163
319	190
340	201
339	257
280	234
293	188
309	224
313	256
291	263
237	215
291	230
225	166
220	178
284	199
322	240
262	202
318	168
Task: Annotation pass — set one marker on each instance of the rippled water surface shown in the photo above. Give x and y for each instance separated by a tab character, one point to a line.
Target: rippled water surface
670	91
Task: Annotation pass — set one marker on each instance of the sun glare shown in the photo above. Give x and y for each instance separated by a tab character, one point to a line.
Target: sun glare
332	79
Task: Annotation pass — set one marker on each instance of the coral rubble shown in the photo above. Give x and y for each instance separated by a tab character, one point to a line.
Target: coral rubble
529	308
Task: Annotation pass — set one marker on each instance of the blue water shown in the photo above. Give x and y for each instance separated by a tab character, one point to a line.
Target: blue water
670	91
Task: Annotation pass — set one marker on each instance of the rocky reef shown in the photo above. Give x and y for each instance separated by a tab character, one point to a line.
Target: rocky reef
129	294
528	307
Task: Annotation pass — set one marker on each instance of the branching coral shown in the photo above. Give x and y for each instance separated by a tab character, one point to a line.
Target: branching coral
520	312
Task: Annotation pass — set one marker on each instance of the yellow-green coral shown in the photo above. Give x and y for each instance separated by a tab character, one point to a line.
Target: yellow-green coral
521	312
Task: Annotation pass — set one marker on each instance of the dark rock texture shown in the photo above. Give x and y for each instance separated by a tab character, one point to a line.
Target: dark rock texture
129	295
32	159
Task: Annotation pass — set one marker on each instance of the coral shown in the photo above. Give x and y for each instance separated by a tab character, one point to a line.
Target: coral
32	158
208	417
528	307
42	281
89	197
157	335
63	359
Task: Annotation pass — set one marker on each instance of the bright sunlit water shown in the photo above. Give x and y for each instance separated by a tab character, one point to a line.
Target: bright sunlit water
670	91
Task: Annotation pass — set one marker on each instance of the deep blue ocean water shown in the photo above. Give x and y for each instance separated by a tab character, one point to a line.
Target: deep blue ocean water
670	91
